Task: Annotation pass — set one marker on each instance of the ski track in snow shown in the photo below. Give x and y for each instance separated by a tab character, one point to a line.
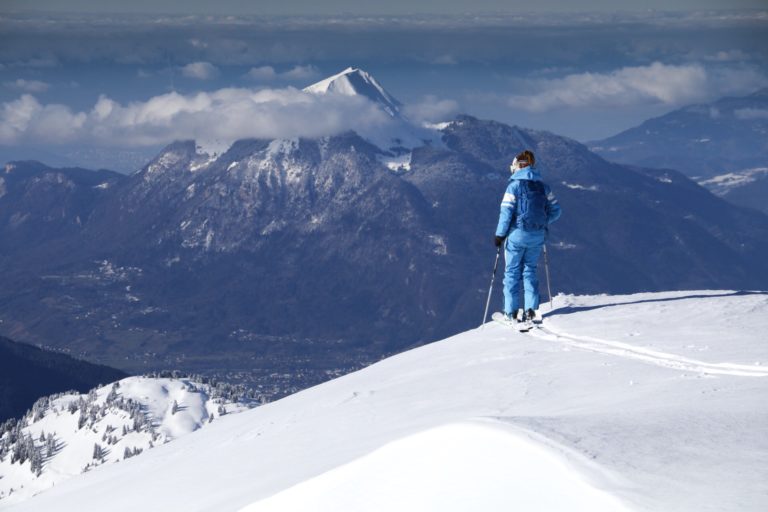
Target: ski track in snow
662	359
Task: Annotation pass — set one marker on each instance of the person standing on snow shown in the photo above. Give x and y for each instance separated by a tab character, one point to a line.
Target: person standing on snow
527	209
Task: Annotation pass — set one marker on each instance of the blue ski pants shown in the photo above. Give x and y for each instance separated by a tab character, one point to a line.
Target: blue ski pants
521	259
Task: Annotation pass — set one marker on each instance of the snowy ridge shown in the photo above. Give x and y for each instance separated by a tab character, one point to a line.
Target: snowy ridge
68	434
593	418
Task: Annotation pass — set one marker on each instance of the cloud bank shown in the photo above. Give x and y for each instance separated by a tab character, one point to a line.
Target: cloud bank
656	83
228	114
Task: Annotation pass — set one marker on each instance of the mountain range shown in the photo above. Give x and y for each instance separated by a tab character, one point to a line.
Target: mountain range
722	145
313	257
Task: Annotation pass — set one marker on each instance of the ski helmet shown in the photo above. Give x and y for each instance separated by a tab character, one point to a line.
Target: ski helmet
522	161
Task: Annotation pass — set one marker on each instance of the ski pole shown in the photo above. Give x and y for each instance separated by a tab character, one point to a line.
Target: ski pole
546	270
490	290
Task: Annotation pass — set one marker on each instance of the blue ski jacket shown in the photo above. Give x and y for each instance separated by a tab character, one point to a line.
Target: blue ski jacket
507	222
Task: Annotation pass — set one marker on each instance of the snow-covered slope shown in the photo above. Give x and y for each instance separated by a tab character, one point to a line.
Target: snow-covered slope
68	434
644	402
460	466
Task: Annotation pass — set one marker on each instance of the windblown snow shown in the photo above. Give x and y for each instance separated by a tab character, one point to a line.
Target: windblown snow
643	402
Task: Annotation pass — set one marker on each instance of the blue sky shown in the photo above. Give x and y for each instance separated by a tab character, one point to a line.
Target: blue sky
139	81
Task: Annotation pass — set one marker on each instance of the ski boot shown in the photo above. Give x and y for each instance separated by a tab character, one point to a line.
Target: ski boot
530	316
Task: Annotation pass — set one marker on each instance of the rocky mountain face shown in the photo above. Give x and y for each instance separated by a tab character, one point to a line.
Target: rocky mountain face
41	205
701	141
302	258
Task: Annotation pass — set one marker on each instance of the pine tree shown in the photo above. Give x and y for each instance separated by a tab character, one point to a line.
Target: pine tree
36	462
81	420
50	445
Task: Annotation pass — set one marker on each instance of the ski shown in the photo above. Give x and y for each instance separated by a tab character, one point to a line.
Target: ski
518	326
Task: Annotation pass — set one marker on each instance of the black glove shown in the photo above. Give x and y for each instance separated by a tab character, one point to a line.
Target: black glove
498	240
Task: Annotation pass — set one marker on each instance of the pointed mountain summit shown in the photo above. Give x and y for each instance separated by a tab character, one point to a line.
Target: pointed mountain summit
356	82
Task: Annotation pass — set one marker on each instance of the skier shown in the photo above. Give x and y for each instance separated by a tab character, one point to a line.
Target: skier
527	209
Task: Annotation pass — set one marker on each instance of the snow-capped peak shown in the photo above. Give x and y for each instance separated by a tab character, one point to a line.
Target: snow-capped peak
356	82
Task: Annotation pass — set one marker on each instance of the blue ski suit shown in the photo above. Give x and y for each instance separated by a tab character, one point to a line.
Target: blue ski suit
522	248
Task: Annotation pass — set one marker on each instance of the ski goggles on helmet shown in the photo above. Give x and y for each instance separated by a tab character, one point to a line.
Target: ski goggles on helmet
517	165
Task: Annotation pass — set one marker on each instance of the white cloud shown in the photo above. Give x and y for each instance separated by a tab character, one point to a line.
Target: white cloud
656	83
27	119
262	73
301	73
200	70
226	114
431	109
626	86
28	85
268	73
751	113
